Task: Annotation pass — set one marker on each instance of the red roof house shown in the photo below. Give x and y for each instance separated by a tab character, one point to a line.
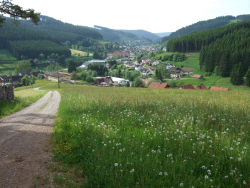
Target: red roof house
219	89
189	86
201	86
159	85
197	76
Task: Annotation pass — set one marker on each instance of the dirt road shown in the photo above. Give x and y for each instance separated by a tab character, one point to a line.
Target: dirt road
24	144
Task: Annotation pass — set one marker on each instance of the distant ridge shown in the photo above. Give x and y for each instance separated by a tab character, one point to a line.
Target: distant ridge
206	25
164	34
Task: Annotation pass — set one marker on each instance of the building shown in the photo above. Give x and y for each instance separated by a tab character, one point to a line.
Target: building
161	85
197	76
219	88
53	76
201	86
188	86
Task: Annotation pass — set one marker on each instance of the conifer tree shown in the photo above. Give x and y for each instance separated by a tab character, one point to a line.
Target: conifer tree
236	76
71	67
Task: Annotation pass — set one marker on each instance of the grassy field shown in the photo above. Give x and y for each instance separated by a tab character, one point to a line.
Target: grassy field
78	52
6	62
129	137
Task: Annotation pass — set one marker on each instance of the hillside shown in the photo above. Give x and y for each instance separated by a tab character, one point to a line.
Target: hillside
224	50
164	34
114	35
144	34
205	25
21	41
63	31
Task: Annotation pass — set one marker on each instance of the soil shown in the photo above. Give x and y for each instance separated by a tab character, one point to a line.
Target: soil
25	144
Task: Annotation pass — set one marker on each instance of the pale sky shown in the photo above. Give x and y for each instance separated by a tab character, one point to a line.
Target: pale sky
154	16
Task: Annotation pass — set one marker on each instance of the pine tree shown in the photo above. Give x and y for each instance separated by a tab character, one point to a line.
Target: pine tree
236	77
71	67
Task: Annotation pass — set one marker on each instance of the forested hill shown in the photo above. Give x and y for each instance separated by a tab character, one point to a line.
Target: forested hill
21	41
144	34
63	31
126	35
221	49
115	35
205	25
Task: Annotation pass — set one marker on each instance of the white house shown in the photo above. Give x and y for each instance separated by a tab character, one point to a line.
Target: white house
138	67
156	63
119	81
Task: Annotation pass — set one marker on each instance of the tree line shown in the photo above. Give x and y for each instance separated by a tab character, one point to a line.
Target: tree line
220	49
199	26
58	29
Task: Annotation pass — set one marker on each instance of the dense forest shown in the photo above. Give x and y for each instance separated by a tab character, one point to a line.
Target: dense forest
205	25
24	42
144	34
33	48
220	49
63	31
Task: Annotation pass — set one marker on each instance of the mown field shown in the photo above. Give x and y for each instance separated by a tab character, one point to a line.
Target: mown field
129	137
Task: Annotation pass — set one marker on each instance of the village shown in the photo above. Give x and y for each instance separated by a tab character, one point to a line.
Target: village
146	66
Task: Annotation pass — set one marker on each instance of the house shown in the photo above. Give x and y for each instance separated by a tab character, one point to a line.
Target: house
123	54
201	86
24	73
138	67
37	73
188	86
146	71
219	88
159	85
155	63
187	70
6	78
119	81
169	66
62	76
175	72
1	81
16	79
197	76
104	81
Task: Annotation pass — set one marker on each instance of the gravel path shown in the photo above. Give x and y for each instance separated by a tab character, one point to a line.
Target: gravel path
24	144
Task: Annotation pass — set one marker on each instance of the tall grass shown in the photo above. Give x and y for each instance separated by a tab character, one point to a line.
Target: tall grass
125	137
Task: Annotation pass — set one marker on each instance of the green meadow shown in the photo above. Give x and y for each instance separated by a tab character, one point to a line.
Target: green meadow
136	137
7	61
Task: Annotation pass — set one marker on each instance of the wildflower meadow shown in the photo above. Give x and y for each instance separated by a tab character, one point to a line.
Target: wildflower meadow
135	137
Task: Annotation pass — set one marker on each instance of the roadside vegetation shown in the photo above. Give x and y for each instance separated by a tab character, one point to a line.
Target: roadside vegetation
128	137
25	96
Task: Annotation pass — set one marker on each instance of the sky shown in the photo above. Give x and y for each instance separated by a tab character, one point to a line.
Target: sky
155	16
